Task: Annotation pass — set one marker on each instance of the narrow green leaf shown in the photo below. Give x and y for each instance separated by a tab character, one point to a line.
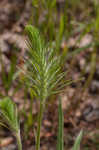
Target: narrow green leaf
60	141
77	141
78	50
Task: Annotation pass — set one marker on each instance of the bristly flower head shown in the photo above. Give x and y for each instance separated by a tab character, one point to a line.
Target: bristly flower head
43	69
9	115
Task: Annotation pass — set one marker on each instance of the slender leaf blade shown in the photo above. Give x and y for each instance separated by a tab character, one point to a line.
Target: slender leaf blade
78	141
60	140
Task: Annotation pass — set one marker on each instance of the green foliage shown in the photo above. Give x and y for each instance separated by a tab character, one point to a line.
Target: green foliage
9	116
43	73
61	32
8	76
78	141
60	138
43	69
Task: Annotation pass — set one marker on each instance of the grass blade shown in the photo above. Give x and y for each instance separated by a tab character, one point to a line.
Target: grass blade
60	141
77	141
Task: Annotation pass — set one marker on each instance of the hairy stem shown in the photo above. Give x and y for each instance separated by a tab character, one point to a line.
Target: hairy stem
40	116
